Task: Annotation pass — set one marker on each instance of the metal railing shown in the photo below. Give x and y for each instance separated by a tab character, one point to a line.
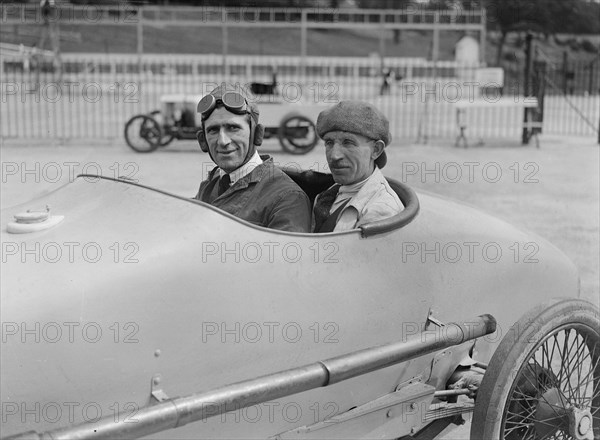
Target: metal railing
12	13
93	96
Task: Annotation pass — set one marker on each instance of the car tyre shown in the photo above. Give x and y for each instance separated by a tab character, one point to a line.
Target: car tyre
142	133
543	379
297	134
166	138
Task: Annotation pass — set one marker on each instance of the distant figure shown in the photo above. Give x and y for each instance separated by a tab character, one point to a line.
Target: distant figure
386	81
47	6
25	57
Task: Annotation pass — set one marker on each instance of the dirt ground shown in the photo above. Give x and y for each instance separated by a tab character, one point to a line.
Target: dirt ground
553	191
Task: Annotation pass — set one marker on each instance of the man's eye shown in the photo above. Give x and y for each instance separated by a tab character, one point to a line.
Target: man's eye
328	143
212	131
348	143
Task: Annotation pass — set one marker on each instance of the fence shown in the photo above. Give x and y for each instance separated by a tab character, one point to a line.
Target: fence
92	96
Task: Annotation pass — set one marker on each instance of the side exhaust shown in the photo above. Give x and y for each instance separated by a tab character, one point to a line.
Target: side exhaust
180	411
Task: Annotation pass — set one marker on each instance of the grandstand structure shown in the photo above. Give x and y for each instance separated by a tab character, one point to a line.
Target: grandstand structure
143	18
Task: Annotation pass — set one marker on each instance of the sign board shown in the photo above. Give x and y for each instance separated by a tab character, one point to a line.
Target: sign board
490	77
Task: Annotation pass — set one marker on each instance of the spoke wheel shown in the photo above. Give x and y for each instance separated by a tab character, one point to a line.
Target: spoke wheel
166	136
297	134
543	381
142	133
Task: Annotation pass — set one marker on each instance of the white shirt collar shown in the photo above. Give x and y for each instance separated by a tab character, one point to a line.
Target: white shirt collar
349	191
244	170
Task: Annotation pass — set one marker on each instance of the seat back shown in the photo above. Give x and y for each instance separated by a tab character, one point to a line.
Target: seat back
311	182
411	208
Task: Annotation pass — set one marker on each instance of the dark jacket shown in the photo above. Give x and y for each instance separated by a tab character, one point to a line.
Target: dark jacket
265	197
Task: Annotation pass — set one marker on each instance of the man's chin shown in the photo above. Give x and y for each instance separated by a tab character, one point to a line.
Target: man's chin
341	177
228	164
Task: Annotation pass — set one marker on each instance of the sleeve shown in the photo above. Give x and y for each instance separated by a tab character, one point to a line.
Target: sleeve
292	212
379	210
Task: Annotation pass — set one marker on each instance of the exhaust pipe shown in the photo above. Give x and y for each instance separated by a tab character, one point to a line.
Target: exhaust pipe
180	411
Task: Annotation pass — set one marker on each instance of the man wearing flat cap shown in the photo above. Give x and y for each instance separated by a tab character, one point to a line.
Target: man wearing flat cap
355	135
244	183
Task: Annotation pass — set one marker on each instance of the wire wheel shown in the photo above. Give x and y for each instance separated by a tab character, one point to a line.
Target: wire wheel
166	135
543	381
297	134
142	133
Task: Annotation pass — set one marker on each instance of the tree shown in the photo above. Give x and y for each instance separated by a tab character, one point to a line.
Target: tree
543	16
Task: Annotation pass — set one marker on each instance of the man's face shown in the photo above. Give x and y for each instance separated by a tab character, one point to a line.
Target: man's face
228	137
351	157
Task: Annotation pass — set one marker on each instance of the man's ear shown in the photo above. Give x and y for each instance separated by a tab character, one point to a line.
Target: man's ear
259	133
202	140
378	147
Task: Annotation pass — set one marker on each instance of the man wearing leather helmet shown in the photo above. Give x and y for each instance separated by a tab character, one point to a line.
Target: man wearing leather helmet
244	183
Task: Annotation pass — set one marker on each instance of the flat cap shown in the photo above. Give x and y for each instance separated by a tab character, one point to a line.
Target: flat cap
356	117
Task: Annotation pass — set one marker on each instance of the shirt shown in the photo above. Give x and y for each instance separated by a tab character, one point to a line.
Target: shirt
245	169
372	199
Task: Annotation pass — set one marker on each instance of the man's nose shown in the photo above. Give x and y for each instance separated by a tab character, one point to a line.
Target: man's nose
335	152
223	138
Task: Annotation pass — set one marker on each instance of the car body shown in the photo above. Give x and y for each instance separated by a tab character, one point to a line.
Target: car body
184	298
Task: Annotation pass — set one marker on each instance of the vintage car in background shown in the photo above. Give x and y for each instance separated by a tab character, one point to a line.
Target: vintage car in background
169	318
290	120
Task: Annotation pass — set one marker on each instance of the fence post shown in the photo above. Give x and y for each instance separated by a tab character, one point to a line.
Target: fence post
435	50
303	39
539	90
565	70
527	86
482	36
140	33
225	44
591	83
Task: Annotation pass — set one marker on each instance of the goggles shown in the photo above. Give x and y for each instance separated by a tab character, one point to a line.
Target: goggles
232	101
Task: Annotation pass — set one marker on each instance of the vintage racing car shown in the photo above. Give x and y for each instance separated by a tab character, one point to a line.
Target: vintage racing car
169	318
290	120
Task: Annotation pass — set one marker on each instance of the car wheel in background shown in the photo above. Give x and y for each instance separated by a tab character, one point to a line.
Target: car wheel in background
142	133
297	134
